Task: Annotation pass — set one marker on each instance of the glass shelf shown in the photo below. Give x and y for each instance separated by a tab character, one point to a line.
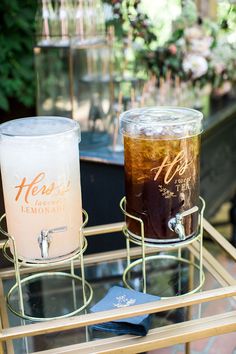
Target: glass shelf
213	307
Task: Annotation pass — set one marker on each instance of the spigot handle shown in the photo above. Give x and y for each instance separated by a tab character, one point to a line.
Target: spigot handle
57	229
176	223
45	239
189	211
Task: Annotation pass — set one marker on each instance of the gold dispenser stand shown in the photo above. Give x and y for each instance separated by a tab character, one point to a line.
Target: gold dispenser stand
87	292
191	243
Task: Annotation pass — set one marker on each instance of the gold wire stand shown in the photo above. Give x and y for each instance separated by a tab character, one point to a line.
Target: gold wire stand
87	291
161	247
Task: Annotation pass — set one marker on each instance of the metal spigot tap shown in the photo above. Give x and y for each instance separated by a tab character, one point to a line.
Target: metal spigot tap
176	223
45	239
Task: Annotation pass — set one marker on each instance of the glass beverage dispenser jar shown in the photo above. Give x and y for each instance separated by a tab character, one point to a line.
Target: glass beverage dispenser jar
41	185
162	147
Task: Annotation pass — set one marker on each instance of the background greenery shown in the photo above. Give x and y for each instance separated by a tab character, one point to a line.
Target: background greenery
151	28
17	80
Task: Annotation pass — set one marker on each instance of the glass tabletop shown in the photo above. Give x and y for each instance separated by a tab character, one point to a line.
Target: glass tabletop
54	295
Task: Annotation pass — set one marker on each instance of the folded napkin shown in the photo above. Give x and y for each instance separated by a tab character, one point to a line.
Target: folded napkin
118	297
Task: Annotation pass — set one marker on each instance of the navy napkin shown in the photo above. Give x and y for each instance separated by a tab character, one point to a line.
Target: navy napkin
118	297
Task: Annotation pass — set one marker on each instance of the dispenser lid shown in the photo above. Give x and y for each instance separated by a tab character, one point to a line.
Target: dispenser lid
161	122
41	126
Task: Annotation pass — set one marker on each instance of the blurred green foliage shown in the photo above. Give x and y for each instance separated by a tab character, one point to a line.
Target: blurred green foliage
17	78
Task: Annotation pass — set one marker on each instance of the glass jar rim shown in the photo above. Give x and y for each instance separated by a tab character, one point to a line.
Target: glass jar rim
65	125
161	116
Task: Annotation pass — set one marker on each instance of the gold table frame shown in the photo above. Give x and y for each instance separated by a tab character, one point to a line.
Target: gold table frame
183	332
20	262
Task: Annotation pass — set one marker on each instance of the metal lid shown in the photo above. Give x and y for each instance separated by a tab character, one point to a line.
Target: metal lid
161	122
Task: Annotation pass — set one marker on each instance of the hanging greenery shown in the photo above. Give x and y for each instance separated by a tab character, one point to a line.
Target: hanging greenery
16	52
127	16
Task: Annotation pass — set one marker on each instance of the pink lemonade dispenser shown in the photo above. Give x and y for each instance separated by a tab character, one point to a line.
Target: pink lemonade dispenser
41	185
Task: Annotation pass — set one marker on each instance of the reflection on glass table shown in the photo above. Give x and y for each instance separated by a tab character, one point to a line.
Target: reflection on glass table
165	278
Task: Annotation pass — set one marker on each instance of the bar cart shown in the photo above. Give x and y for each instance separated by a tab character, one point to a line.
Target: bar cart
176	320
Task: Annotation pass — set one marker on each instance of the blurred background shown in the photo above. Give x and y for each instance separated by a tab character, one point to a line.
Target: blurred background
88	59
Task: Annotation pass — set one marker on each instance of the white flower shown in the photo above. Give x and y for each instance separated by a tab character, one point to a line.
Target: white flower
195	64
181	42
108	12
193	33
223	52
219	67
201	46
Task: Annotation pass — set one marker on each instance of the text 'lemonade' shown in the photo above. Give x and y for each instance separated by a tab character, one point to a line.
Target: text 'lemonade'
41	184
161	147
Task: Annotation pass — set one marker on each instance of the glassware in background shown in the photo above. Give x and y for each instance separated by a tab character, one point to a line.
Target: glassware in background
92	90
79	16
73	67
52	65
43	21
64	20
92	77
58	21
117	138
124	68
41	185
52	58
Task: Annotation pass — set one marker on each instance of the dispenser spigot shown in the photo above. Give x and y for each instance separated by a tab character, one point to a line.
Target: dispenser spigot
45	239
176	223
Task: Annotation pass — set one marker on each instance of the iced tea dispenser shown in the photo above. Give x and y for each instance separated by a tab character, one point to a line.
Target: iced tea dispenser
162	147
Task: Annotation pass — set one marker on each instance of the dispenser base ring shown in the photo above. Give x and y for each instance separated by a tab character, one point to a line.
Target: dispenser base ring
86	293
137	240
158	257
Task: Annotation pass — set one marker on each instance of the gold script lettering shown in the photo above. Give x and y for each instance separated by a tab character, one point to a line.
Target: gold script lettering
177	166
33	188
